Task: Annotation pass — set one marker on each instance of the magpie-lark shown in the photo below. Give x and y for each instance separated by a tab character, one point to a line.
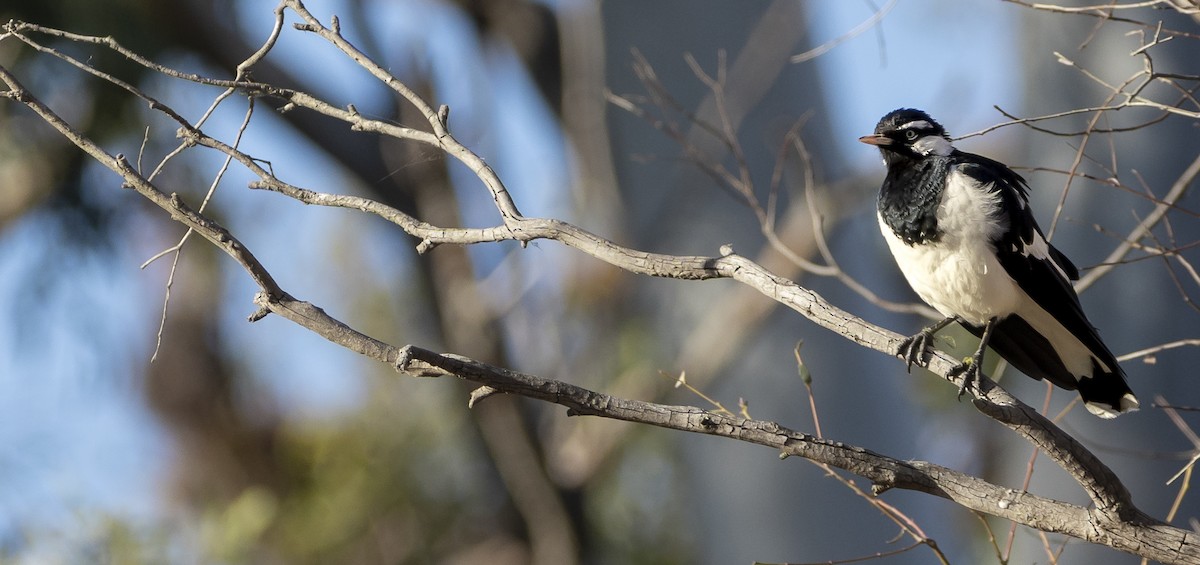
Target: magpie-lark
960	228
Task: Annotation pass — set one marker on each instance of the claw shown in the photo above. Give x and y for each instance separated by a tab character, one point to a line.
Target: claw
971	367
915	350
969	370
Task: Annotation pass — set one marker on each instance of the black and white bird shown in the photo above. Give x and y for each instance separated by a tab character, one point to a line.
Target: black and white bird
960	228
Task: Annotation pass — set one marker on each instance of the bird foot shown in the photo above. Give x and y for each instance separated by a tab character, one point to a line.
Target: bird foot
969	370
915	350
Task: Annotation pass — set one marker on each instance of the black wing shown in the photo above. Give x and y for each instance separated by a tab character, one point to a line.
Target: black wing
1044	276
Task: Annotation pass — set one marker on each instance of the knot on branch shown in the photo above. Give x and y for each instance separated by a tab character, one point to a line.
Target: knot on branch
18	94
264	301
403	358
190	136
417	362
15	27
425	246
443	116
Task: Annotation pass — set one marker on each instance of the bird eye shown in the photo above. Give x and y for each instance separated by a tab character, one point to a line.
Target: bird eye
910	134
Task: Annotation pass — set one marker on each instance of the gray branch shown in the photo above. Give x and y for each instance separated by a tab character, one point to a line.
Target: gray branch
1112	520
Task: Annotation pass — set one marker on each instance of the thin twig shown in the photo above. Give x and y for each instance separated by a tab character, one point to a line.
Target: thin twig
1112	520
1178	189
854	32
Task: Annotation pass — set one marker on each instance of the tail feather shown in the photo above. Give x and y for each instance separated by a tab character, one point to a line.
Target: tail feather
1104	393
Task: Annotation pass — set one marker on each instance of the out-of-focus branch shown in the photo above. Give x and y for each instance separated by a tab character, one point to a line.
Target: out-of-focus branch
1178	189
1105	12
1128	93
1110	497
171	203
1113	521
739	183
854	32
1112	500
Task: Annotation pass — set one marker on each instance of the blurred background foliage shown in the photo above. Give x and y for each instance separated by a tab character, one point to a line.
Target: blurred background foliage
262	444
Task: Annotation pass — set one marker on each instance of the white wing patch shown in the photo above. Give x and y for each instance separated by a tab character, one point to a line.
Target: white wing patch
1075	355
1039	249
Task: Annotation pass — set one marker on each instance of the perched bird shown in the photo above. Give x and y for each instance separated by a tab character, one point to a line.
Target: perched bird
960	228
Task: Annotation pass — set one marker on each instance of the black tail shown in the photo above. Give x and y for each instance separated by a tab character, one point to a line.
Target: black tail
1104	393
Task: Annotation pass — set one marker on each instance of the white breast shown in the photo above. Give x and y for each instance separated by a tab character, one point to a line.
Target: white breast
958	275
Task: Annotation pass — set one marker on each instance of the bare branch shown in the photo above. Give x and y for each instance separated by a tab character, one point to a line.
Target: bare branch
854	32
437	119
741	185
1101	12
173	204
1178	190
1112	519
1142	535
1102	486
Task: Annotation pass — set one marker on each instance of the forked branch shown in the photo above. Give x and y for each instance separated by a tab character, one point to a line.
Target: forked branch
1112	519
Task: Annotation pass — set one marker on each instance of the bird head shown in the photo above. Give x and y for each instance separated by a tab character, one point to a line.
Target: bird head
907	134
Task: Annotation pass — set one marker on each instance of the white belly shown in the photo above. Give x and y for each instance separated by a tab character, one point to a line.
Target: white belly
958	275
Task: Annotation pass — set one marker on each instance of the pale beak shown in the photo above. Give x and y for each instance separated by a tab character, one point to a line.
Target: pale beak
876	139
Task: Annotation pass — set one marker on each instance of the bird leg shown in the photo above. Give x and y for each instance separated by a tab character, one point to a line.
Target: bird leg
915	349
972	367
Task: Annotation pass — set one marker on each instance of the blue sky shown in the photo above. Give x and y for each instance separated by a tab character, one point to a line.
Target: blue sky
953	59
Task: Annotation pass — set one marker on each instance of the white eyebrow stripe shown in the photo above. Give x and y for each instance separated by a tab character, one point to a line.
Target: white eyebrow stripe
917	124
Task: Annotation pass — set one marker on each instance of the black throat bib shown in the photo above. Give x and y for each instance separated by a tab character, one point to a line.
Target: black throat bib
910	197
